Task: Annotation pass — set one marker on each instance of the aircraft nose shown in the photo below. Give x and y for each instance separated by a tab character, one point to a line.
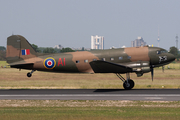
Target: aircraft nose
171	57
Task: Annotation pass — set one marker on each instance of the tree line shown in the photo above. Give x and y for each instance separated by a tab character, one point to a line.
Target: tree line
37	49
2	53
50	49
172	50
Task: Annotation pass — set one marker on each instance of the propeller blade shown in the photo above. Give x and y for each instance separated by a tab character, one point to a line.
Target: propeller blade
152	70
163	68
152	73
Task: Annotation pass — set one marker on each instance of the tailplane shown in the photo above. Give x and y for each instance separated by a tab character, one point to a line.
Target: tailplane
18	49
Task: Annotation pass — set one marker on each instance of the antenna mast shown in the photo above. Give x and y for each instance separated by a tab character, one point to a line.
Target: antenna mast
177	42
158	37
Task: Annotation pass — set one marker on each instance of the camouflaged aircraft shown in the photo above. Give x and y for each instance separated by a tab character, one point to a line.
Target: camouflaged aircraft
139	60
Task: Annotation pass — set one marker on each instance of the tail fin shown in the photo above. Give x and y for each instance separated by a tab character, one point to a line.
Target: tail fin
18	48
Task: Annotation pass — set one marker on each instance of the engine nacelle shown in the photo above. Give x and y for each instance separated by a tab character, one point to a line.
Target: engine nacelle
139	67
141	71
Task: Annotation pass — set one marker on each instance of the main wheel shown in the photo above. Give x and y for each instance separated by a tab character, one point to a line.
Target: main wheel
29	74
128	85
131	83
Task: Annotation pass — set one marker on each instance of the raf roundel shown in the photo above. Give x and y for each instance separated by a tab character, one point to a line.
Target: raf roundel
49	63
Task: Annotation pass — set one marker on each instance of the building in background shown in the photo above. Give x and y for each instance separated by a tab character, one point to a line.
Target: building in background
81	49
97	42
138	42
58	46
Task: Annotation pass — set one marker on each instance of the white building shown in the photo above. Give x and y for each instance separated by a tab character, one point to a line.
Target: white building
138	42
97	42
58	46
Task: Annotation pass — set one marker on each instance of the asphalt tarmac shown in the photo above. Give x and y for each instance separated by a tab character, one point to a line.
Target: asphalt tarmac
91	94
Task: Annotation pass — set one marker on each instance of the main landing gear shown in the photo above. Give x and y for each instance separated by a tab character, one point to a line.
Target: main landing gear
127	84
29	74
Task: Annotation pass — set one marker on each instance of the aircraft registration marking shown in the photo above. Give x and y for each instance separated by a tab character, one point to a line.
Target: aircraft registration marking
62	63
49	63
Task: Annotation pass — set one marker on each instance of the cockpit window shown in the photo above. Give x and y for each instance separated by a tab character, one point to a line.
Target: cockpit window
161	51
158	52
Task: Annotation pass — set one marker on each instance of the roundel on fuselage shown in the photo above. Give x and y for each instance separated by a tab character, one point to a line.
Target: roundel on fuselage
49	63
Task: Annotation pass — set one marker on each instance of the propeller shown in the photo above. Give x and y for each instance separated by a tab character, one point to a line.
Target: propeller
163	69
152	70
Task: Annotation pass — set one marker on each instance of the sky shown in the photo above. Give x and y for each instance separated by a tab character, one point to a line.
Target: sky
71	23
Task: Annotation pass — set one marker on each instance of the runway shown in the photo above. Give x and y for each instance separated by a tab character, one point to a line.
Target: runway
91	94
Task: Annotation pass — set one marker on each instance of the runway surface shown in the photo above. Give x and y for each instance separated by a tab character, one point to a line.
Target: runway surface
91	94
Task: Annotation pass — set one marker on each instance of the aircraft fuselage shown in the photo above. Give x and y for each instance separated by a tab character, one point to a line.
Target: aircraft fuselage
140	60
79	61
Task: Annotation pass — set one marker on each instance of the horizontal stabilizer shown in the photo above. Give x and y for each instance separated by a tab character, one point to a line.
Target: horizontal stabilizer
23	66
108	67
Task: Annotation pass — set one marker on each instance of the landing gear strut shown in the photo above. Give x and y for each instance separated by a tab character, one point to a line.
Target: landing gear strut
29	74
127	84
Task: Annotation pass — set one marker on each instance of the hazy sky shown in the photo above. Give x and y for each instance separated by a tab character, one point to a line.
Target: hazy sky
71	23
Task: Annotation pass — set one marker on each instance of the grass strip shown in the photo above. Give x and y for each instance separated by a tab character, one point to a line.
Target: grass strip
14	79
88	110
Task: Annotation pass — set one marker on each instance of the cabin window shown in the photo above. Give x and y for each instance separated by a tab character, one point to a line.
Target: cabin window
120	58
111	58
103	59
86	61
129	57
77	61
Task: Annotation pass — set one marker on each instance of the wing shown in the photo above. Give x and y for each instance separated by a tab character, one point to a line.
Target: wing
108	67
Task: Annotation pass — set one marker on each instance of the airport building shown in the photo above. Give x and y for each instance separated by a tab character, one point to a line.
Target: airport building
97	42
138	42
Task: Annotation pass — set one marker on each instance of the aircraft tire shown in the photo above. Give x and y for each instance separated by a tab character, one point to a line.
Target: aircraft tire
129	85
29	74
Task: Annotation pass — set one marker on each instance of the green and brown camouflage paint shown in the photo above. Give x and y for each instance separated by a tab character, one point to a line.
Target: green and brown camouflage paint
80	61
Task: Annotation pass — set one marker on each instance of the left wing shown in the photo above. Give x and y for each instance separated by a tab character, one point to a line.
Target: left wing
108	67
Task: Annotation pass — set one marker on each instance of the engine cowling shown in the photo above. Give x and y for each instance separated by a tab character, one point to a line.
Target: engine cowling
141	71
140	67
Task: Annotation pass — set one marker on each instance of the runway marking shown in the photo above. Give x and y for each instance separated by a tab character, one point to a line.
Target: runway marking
98	95
152	98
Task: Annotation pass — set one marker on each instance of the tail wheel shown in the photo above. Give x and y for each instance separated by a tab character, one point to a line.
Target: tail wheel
128	85
29	74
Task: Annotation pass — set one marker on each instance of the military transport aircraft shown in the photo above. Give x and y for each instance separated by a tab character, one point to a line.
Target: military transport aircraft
139	60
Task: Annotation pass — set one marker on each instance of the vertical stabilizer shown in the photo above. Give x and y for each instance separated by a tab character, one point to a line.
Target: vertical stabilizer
18	49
